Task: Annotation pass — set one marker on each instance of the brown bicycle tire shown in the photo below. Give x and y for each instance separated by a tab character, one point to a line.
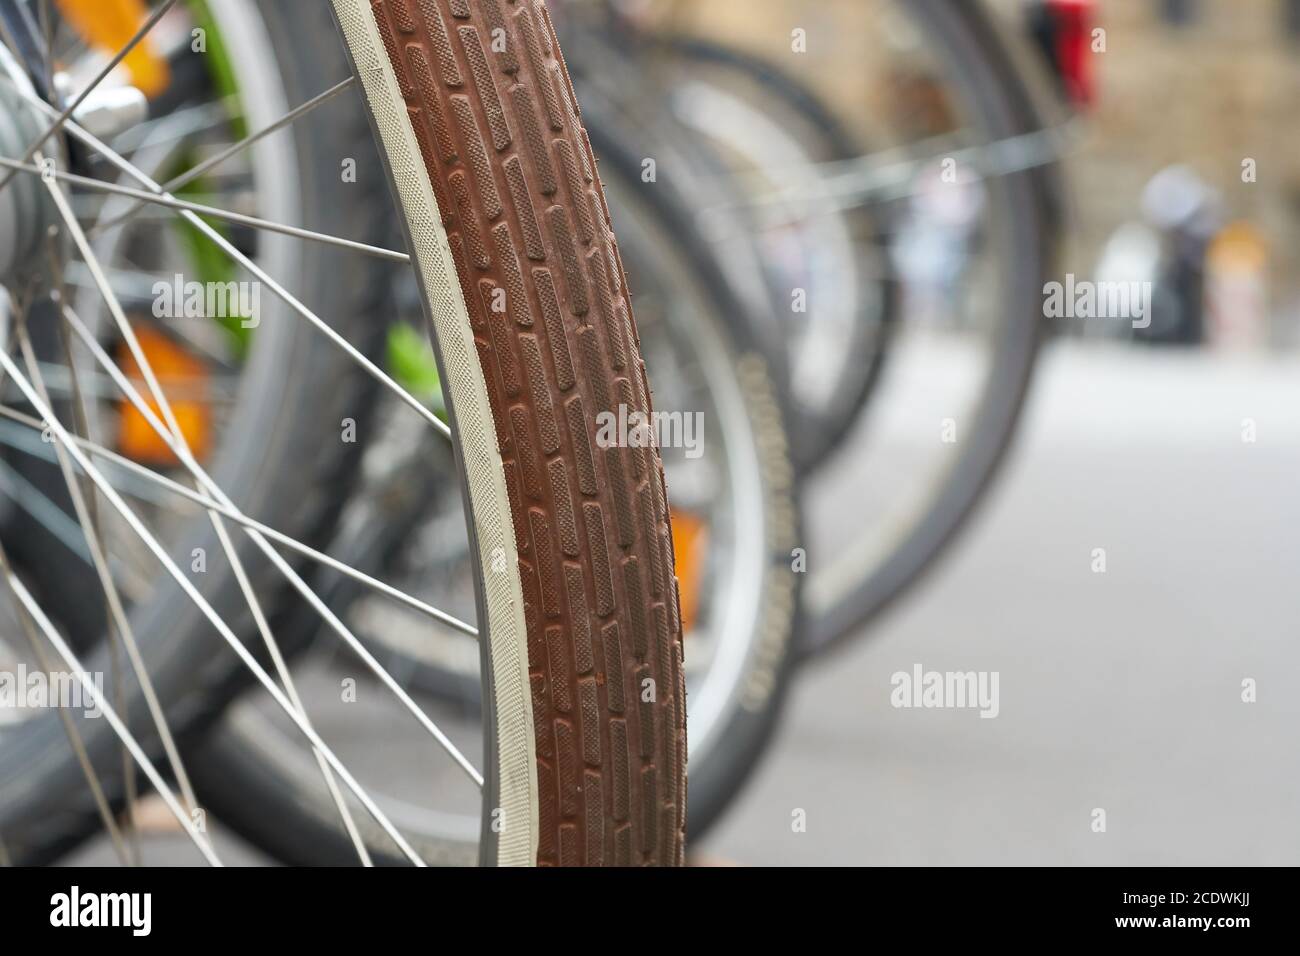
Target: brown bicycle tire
500	139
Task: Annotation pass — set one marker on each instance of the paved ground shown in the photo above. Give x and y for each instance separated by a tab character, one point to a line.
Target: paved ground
1119	691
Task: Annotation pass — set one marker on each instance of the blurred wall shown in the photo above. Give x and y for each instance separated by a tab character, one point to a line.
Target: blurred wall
1220	88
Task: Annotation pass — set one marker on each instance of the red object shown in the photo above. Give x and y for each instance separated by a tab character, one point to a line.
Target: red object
1072	22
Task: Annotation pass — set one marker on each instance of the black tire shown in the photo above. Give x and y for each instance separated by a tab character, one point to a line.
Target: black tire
994	86
816	432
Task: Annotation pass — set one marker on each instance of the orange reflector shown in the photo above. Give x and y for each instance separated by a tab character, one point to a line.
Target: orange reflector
184	382
107	25
690	549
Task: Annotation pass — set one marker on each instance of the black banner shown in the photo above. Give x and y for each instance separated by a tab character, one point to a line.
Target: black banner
337	907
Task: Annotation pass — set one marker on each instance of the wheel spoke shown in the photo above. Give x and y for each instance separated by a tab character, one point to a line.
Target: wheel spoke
170	436
223	629
152	490
28	625
283	294
223	537
239	518
256	530
41	507
119	623
235	148
891	175
171	202
71	447
81	427
62	117
33	608
130	580
173	436
184	122
282	671
59	381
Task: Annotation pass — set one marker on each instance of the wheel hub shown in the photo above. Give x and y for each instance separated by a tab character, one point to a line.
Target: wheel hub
27	211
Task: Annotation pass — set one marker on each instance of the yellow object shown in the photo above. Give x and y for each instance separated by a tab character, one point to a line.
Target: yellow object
1237	301
1239	246
184	382
690	548
108	25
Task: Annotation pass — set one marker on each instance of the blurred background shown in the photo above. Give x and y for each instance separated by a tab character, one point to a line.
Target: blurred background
1120	690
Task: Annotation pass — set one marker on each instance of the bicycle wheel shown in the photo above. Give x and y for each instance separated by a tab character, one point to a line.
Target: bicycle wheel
963	185
780	133
734	521
274	397
1013	155
533	333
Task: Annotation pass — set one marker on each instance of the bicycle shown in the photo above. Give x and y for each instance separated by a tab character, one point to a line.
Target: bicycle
498	198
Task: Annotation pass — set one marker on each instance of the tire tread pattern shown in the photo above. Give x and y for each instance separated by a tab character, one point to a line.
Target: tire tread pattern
511	166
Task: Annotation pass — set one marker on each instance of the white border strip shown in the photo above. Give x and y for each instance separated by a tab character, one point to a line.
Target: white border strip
516	770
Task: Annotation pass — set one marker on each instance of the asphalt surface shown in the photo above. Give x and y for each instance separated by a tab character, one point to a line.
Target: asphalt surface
1119	691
